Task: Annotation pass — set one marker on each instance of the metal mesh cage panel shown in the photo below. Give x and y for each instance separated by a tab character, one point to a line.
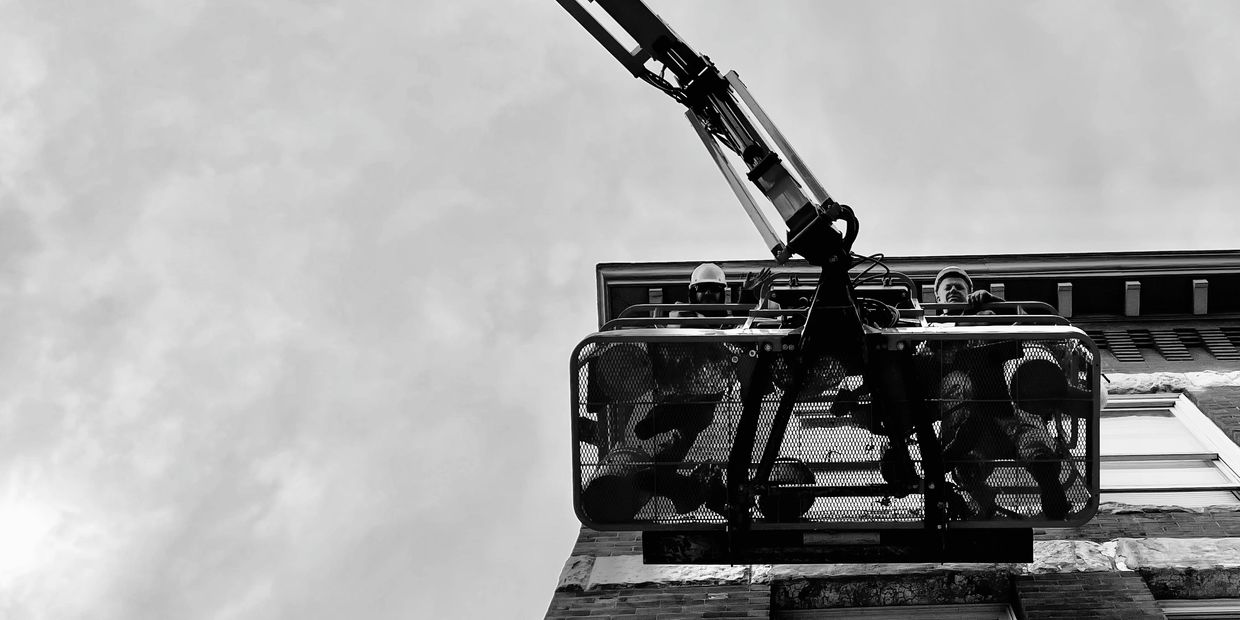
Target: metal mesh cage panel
1014	416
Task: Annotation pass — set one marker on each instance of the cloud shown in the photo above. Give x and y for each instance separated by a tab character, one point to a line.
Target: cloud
288	289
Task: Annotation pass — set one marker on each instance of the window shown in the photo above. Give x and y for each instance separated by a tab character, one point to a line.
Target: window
1218	608
1160	449
981	611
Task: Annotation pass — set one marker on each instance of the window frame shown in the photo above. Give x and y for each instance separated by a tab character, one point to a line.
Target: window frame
955	611
1221	454
1200	608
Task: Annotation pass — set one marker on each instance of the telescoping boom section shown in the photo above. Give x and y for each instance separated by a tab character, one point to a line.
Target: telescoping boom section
947	425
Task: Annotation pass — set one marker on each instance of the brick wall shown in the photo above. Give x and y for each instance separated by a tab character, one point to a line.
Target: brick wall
606	544
1130	523
1073	596
1222	405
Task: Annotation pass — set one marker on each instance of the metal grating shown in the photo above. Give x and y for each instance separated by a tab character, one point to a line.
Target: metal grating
1169	345
1218	344
1122	346
1172	344
1232	333
1190	337
1098	337
657	412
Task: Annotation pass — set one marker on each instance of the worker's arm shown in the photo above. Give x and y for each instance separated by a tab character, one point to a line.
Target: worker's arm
980	297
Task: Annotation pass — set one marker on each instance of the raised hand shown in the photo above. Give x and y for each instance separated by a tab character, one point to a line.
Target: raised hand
761	282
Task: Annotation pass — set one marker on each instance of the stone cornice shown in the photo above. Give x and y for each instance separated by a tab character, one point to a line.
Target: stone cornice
1087	264
1050	556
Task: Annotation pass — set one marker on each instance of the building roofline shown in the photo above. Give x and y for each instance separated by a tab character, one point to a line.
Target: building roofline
1101	264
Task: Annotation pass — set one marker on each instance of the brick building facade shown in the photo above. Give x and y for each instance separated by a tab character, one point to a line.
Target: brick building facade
1164	543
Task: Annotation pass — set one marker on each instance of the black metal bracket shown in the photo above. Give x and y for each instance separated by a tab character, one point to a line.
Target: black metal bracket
839	547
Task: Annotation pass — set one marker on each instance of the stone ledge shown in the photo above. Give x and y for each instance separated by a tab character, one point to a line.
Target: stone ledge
783	572
1189	583
1069	556
628	571
576	573
1162	382
1051	557
1116	508
1180	553
934	588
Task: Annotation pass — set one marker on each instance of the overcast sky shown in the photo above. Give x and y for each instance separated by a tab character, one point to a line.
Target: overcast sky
289	287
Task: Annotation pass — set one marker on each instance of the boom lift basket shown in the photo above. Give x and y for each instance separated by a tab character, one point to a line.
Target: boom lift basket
859	413
1012	411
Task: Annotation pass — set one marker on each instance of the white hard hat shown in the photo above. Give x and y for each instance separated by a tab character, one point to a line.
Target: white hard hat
952	271
708	272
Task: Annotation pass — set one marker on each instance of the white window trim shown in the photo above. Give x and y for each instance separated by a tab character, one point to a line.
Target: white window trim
1209	432
1224	452
1202	608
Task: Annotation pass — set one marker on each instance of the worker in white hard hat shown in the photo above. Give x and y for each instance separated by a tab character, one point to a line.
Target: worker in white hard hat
707	285
953	285
976	434
688	380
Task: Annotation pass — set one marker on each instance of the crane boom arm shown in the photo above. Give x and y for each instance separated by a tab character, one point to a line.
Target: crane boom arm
722	110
